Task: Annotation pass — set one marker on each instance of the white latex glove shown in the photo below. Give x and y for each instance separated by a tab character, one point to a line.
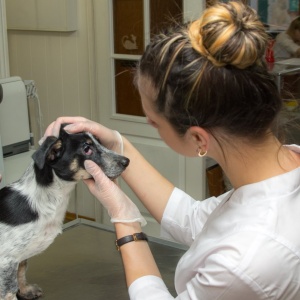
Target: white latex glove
119	207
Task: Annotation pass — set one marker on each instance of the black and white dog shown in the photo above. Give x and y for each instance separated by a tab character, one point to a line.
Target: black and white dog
33	208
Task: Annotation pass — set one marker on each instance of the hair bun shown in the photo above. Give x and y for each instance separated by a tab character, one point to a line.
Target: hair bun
229	34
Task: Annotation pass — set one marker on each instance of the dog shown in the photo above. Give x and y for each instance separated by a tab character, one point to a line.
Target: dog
32	209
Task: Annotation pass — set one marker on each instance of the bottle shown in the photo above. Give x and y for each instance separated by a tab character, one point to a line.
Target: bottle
270	52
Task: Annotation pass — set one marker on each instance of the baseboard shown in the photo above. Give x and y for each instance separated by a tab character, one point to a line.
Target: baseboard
72	216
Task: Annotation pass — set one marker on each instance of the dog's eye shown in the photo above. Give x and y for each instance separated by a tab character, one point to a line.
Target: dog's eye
87	149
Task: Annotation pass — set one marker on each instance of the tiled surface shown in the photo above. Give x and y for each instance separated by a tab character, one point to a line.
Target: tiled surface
83	263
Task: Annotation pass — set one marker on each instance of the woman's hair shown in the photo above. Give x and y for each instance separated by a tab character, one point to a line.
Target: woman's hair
211	73
295	25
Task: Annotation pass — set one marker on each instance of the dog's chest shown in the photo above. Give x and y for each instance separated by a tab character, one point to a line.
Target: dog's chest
46	231
25	241
43	239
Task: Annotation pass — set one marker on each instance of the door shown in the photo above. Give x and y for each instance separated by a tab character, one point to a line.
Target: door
122	30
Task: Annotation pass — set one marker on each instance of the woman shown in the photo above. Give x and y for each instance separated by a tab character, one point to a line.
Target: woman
287	43
207	92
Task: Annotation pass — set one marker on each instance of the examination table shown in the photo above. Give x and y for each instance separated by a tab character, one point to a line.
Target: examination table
83	263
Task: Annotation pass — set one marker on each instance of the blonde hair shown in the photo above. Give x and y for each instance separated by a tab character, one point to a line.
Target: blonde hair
229	34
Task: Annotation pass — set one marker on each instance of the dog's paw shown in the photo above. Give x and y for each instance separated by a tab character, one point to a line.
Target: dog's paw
30	291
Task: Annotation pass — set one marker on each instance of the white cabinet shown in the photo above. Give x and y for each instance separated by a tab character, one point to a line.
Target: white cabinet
46	15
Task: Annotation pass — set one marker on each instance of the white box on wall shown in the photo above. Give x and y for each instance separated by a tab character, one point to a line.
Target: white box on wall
42	15
14	122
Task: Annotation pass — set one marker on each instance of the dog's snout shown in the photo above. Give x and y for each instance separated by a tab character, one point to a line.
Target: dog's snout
124	162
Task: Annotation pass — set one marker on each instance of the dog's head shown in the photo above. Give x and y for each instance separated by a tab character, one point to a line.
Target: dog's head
67	153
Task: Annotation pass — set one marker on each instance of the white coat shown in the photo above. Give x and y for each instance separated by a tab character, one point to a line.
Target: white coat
244	245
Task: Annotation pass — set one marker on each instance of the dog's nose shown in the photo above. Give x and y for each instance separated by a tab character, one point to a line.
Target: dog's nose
124	162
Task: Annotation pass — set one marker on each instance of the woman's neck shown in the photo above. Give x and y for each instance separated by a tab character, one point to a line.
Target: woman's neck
254	163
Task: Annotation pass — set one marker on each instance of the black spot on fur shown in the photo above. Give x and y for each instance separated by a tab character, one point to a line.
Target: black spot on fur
43	177
14	208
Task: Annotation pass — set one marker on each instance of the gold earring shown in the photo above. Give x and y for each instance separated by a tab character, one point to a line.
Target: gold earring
201	153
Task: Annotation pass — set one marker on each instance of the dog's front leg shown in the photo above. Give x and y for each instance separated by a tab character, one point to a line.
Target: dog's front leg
27	291
8	281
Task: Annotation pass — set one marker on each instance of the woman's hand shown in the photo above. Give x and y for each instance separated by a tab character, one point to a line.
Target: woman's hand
140	176
111	139
119	207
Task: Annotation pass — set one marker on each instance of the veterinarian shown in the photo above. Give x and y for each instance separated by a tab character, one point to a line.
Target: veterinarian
287	43
206	90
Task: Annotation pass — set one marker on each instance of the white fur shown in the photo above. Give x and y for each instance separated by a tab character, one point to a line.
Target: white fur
21	242
27	240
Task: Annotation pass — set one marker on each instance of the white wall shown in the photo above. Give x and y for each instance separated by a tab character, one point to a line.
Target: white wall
192	9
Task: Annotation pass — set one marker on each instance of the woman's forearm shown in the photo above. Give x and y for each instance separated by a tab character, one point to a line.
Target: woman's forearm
149	185
137	258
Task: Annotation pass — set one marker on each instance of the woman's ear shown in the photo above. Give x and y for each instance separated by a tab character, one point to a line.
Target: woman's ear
200	137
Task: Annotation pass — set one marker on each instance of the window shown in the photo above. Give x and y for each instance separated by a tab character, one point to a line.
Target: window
134	22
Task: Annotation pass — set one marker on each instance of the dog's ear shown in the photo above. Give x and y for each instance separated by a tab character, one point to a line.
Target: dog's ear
62	132
49	150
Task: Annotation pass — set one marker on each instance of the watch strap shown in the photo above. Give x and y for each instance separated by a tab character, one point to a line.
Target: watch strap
140	236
